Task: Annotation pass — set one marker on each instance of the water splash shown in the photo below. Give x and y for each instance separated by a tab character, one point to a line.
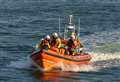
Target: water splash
75	68
99	62
104	56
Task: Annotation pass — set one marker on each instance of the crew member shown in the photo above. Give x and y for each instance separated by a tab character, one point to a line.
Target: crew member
39	44
45	43
55	41
71	44
79	44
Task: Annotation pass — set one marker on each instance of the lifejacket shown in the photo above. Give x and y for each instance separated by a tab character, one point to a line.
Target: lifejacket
56	42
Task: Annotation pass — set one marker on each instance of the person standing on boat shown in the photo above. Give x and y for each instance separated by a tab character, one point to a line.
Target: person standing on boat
79	44
45	43
55	41
71	44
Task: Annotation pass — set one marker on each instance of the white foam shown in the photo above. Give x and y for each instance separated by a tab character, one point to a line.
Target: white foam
82	68
99	62
76	68
104	56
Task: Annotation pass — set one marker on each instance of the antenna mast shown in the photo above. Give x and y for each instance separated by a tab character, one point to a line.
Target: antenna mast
79	27
70	20
59	26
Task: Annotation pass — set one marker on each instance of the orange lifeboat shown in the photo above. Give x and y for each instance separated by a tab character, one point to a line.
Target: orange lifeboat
48	59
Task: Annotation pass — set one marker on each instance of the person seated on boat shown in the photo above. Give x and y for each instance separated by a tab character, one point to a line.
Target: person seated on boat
45	43
39	44
55	40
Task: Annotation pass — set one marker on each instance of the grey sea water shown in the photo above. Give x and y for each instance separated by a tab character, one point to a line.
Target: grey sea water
24	22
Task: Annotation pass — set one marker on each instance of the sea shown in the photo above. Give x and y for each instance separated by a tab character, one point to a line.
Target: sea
24	22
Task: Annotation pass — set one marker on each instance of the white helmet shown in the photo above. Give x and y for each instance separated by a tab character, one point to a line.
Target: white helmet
72	37
55	34
47	37
42	39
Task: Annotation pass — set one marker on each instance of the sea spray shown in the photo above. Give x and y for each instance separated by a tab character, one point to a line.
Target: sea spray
75	68
105	60
97	56
99	61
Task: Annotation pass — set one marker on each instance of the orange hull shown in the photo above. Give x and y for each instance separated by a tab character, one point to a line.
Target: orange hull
48	59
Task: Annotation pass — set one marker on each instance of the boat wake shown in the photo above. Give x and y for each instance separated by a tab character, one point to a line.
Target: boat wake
99	61
105	60
104	56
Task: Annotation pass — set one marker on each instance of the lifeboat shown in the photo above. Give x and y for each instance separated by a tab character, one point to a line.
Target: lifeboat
51	58
48	59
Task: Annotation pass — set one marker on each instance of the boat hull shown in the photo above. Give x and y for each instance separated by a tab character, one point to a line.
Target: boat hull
49	59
